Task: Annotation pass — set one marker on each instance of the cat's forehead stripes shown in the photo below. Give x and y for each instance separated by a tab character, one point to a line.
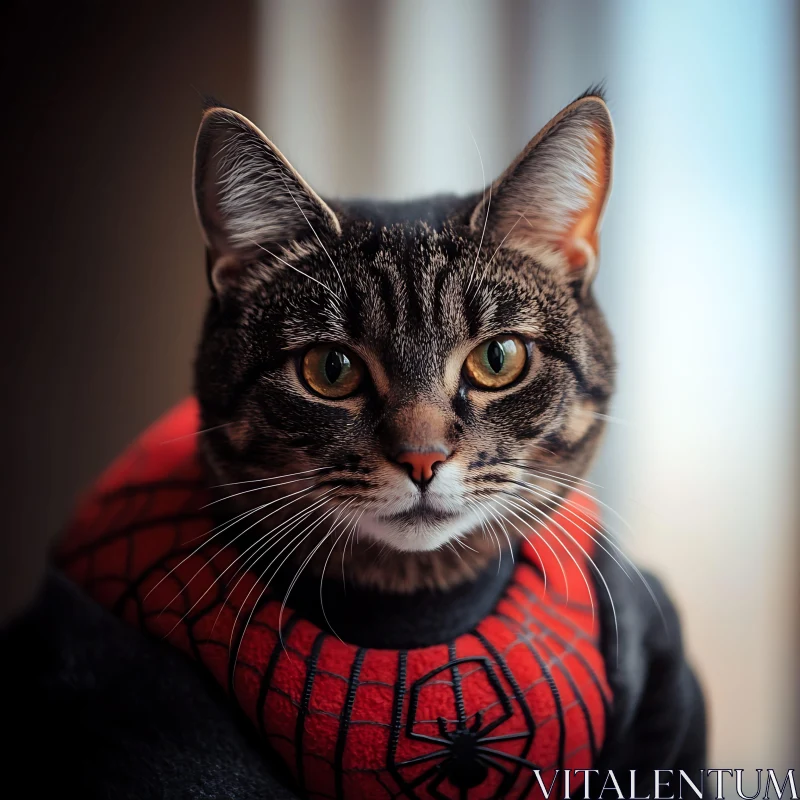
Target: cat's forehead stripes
410	306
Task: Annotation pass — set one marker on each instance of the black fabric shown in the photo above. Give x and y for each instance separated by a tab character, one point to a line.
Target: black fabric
370	618
658	715
97	710
94	709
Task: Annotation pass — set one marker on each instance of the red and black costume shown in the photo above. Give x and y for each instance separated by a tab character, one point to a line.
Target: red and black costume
460	694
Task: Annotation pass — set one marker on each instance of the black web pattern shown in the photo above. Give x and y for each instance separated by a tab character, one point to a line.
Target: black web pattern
462	754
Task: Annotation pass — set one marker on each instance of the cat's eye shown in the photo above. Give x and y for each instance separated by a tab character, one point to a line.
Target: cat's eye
496	363
332	371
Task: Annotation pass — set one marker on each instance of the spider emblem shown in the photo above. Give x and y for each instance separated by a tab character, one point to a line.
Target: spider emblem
465	755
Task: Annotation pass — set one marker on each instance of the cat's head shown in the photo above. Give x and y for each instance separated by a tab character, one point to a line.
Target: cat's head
424	371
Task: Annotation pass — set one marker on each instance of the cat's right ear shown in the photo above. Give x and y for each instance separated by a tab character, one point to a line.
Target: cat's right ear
549	203
249	199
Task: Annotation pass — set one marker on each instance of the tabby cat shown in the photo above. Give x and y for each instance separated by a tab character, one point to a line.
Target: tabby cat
399	391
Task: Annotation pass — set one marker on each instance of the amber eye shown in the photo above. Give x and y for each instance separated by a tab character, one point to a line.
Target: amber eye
496	363
332	371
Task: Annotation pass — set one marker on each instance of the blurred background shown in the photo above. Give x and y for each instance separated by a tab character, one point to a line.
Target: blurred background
104	282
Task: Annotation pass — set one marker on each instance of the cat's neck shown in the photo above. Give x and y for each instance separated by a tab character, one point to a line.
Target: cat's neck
372	565
418	600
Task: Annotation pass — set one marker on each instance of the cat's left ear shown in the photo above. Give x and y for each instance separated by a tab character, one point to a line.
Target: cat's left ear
250	201
549	203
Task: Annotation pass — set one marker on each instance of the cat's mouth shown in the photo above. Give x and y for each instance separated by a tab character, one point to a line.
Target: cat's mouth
422	514
426	525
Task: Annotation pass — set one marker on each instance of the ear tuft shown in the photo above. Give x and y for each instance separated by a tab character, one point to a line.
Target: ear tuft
210	102
248	197
596	90
549	203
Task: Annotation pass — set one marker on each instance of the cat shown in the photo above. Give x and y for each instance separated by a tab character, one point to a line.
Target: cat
391	396
401	390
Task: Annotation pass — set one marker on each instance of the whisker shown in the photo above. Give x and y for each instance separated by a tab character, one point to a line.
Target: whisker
222	528
488	208
225	525
299	271
511	548
611	541
349	538
591	562
543	523
333	264
241	555
344	551
525	464
297	574
497	250
556	505
257	489
589	496
572	478
197	433
463	544
266	542
322	574
299	539
541	538
487	530
609	418
273	477
624	555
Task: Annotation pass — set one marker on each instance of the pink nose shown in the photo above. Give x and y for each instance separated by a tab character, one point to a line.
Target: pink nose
420	464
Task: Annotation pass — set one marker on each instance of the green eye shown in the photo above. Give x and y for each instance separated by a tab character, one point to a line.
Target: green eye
496	363
332	371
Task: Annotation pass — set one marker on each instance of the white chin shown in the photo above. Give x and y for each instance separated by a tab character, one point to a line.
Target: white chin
419	537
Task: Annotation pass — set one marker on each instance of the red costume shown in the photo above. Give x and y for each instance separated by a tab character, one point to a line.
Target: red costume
525	689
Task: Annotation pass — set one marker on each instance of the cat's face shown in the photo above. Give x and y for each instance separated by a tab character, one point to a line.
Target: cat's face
421	380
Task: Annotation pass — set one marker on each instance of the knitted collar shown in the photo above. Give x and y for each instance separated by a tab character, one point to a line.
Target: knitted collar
477	709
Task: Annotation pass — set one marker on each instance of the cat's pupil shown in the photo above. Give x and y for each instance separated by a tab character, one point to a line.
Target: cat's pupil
334	365
496	356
